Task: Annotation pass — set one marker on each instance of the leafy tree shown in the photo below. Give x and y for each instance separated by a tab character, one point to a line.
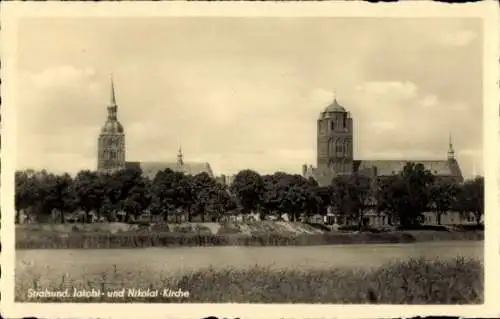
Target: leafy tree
90	192
186	194
315	203
406	195
112	195
290	194
221	202
271	196
56	195
170	192
126	192
471	198
134	195
387	188
350	195
137	197
65	189
443	196
325	198
203	190
107	209
38	183
302	197
26	192
248	188
210	197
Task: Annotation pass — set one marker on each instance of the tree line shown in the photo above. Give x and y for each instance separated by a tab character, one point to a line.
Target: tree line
127	194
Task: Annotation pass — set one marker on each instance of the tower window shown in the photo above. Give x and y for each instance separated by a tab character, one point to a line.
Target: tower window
331	147
332	125
338	148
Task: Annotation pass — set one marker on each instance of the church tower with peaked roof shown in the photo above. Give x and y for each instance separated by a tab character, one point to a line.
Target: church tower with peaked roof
335	153
111	142
335	140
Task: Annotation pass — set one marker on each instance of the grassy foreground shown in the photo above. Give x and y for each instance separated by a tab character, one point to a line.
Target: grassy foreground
417	281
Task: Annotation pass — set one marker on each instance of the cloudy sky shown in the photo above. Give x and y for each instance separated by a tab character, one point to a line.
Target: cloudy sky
246	92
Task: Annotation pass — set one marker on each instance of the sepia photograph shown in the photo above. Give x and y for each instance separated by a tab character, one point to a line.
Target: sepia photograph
214	159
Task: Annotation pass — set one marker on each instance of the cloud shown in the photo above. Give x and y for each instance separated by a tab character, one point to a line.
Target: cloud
391	120
59	97
429	101
63	77
239	96
383	125
54	115
400	120
458	38
322	96
389	89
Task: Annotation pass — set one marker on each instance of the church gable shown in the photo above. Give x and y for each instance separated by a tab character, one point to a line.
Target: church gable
455	169
150	169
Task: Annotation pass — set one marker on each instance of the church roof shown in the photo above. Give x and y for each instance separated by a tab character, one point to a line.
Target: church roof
150	169
112	127
440	168
334	107
390	167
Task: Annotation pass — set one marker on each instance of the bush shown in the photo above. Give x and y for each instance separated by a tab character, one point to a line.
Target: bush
474	227
319	226
133	236
168	239
228	228
141	222
354	228
425	227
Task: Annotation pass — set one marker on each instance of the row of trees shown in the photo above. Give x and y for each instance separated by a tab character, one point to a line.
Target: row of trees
404	196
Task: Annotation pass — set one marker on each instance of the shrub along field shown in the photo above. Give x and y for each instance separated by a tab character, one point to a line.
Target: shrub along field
416	281
117	235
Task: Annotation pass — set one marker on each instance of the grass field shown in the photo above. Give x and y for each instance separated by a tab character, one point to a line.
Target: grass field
416	281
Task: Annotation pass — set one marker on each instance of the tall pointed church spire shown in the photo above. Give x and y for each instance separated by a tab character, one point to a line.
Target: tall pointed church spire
180	161
113	98
451	151
112	107
111	142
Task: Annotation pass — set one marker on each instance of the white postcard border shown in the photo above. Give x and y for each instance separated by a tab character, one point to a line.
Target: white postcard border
12	11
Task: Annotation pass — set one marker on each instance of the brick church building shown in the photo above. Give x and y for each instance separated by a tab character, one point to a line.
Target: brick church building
111	150
335	153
